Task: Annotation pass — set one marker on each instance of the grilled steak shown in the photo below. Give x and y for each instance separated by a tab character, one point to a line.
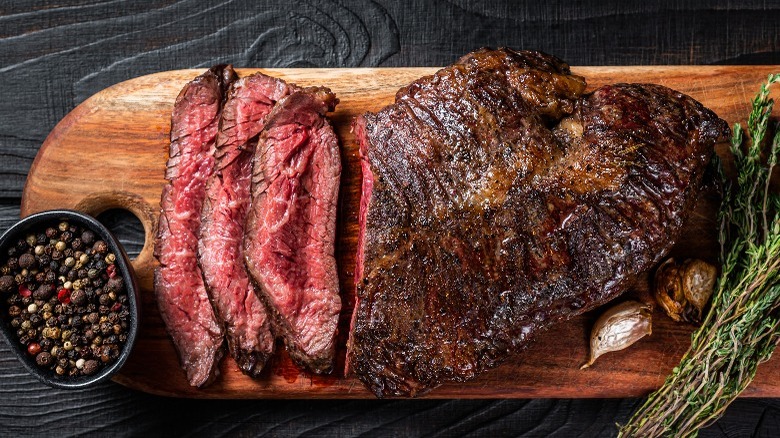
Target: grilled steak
224	212
291	227
181	296
480	225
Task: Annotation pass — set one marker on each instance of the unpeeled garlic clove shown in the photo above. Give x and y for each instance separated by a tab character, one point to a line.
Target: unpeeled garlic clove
619	327
683	289
698	281
669	290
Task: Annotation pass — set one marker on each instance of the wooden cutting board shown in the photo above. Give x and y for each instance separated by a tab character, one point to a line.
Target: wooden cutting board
110	152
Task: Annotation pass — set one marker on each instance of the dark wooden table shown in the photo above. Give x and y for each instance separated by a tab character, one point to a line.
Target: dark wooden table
55	54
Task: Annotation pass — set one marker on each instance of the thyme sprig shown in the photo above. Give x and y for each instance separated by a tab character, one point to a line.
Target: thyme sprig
742	327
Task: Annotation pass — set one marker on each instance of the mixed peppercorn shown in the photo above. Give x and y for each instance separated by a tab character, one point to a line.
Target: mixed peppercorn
65	299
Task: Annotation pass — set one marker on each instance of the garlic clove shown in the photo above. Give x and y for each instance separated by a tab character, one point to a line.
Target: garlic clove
619	327
698	283
668	290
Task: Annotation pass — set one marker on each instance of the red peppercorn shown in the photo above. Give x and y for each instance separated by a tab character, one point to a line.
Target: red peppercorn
111	269
33	348
116	307
64	296
23	291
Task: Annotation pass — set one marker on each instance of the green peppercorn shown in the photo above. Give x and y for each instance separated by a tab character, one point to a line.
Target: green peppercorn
64	226
51	333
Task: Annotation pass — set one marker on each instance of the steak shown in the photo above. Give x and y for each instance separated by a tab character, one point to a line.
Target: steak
499	199
224	212
181	296
291	227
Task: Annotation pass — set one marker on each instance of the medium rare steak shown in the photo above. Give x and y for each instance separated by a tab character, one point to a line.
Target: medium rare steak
291	228
498	200
181	296
224	212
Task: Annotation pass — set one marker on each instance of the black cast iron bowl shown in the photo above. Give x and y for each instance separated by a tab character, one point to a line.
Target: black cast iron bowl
38	222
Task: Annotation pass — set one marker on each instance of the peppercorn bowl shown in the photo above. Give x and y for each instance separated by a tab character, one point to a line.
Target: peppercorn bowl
69	305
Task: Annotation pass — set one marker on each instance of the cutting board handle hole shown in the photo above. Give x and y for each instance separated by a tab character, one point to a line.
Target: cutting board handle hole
127	228
134	221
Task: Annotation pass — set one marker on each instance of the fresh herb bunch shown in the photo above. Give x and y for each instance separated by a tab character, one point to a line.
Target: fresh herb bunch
742	327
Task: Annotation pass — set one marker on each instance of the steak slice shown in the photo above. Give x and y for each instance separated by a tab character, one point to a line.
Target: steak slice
481	226
224	212
181	296
291	227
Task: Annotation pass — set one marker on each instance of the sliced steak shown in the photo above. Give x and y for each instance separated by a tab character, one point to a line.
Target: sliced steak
181	296
224	212
291	227
481	226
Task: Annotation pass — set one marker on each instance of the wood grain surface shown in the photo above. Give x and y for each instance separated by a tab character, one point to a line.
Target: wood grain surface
119	140
54	54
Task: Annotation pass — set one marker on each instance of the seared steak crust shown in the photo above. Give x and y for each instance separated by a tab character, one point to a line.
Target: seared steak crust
221	258
181	296
291	227
481	225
